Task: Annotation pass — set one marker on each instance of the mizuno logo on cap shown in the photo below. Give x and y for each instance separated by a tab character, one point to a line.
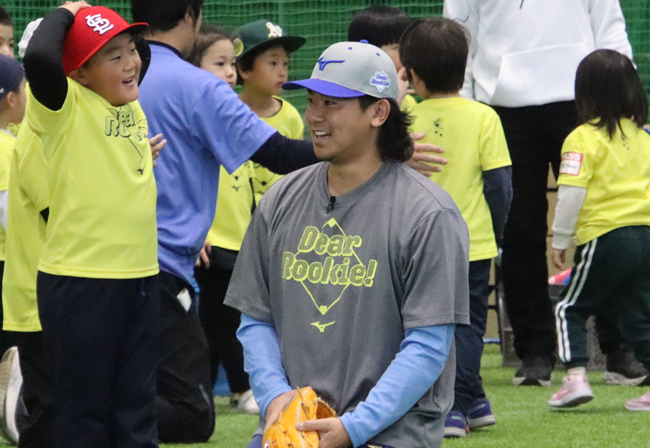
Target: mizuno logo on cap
380	80
99	24
322	63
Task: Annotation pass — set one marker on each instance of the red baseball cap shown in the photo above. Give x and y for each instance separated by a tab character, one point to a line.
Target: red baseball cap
92	29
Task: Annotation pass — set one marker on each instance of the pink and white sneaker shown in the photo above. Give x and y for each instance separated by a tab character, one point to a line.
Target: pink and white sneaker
639	404
575	391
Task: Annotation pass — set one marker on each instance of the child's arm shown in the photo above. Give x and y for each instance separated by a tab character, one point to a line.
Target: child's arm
569	204
497	189
44	57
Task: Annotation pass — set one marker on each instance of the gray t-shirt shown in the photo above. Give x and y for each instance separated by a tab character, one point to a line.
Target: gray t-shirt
342	283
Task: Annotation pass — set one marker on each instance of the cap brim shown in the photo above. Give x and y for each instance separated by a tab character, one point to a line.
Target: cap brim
289	43
323	87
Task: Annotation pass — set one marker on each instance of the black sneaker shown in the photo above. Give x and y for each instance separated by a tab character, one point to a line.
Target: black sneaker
534	371
623	369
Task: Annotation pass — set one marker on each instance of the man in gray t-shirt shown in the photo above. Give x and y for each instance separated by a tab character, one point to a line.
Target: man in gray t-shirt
353	272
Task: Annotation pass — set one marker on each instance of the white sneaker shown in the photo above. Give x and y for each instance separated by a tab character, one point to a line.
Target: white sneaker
247	403
11	381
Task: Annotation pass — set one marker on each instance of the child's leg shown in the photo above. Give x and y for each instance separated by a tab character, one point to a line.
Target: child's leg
135	389
37	392
469	339
84	326
633	300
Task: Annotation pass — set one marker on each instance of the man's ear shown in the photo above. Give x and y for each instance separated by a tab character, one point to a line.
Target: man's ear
381	111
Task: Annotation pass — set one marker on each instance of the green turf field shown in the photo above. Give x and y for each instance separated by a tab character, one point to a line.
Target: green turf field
524	419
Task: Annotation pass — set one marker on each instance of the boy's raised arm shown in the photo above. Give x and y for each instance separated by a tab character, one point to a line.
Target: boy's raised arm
44	56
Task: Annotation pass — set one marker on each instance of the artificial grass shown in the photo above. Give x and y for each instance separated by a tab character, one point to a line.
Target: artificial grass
524	420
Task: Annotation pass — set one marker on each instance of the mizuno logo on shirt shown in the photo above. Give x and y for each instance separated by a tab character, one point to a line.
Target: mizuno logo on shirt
322	63
99	24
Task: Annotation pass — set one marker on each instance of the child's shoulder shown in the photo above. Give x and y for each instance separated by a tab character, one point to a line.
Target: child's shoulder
456	104
286	107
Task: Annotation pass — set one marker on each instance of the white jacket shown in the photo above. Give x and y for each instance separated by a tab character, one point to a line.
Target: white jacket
526	52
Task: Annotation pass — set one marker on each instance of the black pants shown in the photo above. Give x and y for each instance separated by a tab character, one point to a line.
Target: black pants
184	402
101	344
535	136
38	394
220	323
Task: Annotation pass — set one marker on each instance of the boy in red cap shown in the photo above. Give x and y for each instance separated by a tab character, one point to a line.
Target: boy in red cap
97	282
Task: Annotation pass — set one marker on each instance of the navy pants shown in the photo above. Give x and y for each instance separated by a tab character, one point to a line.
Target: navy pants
100	338
469	339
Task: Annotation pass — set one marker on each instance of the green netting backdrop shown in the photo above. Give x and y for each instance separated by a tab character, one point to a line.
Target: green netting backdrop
324	22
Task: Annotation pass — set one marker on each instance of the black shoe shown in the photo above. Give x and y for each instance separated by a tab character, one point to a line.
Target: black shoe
623	369
534	371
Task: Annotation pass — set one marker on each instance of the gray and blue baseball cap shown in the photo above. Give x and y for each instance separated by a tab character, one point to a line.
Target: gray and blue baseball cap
350	70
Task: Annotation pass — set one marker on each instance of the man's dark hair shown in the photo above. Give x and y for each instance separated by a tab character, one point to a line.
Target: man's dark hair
436	50
164	15
5	18
379	24
393	141
208	36
608	88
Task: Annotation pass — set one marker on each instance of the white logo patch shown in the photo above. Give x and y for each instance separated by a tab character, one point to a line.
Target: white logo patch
99	24
380	80
571	163
274	30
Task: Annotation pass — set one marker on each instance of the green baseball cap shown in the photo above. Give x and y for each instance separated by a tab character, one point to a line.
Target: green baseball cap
263	34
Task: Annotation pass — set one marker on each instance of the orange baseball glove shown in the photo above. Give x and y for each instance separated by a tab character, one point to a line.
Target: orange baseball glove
304	406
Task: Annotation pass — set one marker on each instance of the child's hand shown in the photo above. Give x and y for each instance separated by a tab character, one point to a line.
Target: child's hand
403	84
75	7
204	256
558	256
156	145
422	157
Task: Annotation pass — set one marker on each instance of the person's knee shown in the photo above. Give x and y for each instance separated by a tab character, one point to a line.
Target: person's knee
185	425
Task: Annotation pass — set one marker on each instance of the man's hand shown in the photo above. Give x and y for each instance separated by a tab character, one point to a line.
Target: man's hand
558	256
204	256
331	432
75	7
157	143
275	408
423	156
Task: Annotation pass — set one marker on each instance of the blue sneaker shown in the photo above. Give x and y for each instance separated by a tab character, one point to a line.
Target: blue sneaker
455	425
480	414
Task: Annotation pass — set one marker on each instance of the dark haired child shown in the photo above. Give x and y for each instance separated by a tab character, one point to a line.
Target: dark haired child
97	285
478	178
214	52
262	66
6	33
382	26
603	196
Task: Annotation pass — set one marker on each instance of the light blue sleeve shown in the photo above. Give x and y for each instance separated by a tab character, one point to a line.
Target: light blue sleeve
223	123
422	357
262	360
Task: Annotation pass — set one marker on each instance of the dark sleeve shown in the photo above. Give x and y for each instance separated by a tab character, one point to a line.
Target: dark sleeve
144	51
283	155
44	59
497	188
